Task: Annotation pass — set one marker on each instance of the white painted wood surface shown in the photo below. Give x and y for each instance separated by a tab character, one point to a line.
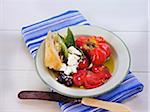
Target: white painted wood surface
127	18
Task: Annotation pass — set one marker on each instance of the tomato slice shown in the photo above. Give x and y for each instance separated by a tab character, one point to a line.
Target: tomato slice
106	48
101	71
83	64
78	78
92	80
81	41
98	69
98	56
100	39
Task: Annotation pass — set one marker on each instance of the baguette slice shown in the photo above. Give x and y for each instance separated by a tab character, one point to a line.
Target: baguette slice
51	59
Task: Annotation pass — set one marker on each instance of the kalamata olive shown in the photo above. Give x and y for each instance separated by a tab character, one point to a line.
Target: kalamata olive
69	81
61	78
65	79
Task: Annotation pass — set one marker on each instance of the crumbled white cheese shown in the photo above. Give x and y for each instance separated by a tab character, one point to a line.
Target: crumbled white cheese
72	59
76	57
74	68
68	70
73	50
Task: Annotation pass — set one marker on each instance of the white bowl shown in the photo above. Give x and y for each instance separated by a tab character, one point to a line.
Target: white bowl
121	63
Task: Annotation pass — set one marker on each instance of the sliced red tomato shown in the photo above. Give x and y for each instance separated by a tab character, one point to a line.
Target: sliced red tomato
98	56
101	71
100	39
98	51
79	77
95	47
106	48
92	81
83	64
81	41
98	69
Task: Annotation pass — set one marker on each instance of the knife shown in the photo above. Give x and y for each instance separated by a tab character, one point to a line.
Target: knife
53	96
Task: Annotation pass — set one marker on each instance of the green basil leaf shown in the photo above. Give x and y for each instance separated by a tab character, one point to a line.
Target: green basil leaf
69	40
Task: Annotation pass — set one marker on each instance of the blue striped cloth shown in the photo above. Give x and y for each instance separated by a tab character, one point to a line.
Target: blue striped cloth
34	34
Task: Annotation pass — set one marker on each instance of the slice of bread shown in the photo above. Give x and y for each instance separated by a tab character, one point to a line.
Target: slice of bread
52	58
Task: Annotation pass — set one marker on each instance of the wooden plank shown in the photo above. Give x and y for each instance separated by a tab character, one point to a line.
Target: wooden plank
115	15
137	43
1	14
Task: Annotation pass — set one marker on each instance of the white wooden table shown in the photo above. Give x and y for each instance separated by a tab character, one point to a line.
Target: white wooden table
126	18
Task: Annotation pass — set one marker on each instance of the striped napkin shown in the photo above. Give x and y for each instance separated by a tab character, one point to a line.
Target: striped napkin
34	34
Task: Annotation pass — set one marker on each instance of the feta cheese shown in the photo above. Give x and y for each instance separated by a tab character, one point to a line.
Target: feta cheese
74	68
73	50
68	70
72	59
76	57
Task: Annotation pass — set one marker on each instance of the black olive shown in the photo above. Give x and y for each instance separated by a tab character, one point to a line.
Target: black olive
69	81
65	79
61	78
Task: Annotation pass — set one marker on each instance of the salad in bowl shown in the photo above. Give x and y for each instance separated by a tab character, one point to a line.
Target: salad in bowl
78	62
82	61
